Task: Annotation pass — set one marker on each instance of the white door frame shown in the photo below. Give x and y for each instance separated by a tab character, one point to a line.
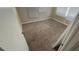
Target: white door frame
69	35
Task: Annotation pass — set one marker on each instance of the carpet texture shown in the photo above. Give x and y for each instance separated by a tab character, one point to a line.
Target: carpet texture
42	35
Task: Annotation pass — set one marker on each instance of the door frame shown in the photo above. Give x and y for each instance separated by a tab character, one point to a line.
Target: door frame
70	34
67	35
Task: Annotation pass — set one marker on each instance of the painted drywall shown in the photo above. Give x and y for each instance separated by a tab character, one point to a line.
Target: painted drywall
53	12
22	14
27	14
11	38
61	11
71	15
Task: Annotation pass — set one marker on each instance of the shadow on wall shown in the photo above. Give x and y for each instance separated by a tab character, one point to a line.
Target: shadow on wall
1	49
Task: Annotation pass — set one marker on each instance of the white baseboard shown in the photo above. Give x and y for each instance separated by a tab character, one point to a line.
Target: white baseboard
58	21
41	19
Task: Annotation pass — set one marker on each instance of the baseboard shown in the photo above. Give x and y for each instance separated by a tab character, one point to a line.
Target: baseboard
41	19
60	21
46	18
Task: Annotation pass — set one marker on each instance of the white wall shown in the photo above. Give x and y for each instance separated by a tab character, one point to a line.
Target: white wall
33	13
61	11
69	13
11	38
72	13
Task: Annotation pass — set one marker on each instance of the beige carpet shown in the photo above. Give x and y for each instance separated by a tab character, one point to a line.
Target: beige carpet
42	35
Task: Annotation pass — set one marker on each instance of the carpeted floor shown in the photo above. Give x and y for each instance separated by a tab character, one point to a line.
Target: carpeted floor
42	35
